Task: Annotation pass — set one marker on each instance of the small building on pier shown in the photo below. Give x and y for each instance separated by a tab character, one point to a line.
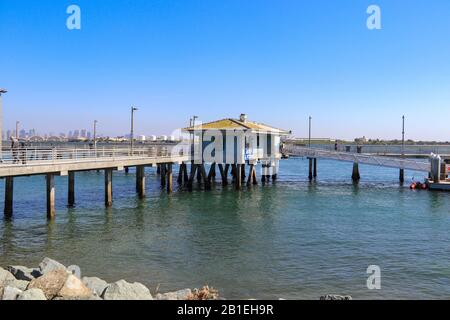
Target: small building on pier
236	141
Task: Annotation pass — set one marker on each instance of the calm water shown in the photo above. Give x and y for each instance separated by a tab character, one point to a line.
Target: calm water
289	240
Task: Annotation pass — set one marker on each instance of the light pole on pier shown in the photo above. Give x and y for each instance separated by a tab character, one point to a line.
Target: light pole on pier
2	91
309	137
193	133
133	109
95	134
402	171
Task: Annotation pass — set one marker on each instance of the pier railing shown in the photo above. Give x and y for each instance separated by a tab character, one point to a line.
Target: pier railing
33	156
381	161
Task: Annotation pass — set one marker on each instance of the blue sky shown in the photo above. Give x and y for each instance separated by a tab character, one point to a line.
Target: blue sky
277	61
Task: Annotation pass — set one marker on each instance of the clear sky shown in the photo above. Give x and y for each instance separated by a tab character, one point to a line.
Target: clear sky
278	61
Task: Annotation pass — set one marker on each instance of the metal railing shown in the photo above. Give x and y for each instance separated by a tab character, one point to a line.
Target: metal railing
359	158
35	156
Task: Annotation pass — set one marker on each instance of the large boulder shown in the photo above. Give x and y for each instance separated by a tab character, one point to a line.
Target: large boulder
24	273
19	284
50	283
97	285
10	293
184	294
32	294
5	277
122	290
74	288
47	265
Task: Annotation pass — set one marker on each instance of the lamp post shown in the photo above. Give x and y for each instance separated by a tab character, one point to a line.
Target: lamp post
193	134
95	134
402	171
2	91
133	109
309	137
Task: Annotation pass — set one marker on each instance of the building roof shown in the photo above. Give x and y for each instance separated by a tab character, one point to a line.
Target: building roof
236	124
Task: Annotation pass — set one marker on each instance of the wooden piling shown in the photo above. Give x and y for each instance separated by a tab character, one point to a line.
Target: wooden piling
180	173
9	192
158	169
238	178
310	175
255	181
212	173
224	173
163	175
250	175
315	168
192	176
108	188
355	174
140	181
169	178
50	179
204	177
127	170
71	189
402	175
243	172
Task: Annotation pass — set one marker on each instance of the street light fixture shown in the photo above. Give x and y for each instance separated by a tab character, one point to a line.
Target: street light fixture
133	109
2	91
95	134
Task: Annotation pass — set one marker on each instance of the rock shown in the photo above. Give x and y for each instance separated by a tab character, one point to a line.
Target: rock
47	265
74	288
96	285
93	297
122	290
176	295
5	277
335	297
10	293
32	294
19	284
50	283
24	273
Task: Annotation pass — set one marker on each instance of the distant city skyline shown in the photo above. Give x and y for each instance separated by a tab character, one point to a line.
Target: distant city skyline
277	61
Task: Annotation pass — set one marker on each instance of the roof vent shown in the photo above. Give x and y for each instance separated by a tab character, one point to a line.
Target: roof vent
243	118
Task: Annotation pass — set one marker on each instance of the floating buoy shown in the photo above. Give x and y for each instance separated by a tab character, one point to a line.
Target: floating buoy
413	186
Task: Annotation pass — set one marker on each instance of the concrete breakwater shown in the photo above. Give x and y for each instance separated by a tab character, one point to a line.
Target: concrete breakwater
51	280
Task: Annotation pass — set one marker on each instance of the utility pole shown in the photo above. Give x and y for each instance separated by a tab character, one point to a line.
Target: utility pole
402	171
133	109
2	91
95	134
193	134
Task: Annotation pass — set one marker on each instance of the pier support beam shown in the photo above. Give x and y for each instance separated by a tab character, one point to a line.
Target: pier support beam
163	175
204	176
50	179
140	181
355	174
310	174
192	176
315	168
402	175
252	176
224	173
108	188
127	170
71	189
9	191
238	179
212	173
169	178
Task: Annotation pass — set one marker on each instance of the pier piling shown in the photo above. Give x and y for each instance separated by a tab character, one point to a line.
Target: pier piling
169	178
71	189
402	175
163	175
310	175
238	178
355	174
108	188
140	181
50	179
9	192
315	168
